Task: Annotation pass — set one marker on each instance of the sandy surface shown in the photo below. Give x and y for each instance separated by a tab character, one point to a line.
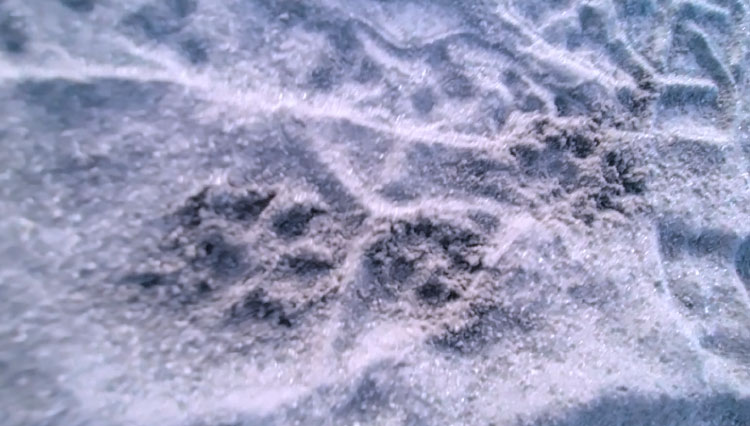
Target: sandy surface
270	212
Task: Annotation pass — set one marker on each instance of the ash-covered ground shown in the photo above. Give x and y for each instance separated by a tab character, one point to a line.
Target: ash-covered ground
339	212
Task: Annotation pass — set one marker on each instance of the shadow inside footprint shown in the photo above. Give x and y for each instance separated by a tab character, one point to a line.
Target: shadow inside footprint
295	221
742	262
81	6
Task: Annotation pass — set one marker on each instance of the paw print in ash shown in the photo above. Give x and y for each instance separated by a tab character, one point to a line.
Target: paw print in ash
205	246
742	262
426	271
425	261
259	256
430	273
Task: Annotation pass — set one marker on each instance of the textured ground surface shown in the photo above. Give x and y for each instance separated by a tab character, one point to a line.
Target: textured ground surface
520	212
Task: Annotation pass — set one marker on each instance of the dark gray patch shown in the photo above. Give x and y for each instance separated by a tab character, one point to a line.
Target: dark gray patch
622	56
81	6
744	141
678	95
399	270
712	241
527	156
635	8
371	394
368	71
465	340
677	238
241	207
146	279
728	344
581	146
387	270
158	21
515	83
13	33
212	252
566	105
704	16
632	102
295	221
84	172
367	399
579	100
437	56
189	215
423	100
203	287
583	211
607	198
258	306
487	221
621	168
634	409
457	86
689	296
388	267
195	50
531	103
291	12
323	77
704	55
435	293
593	24
483	330
742	262
342	37
73	104
494	108
344	61
738	72
182	8
244	207
674	235
453	240
305	265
